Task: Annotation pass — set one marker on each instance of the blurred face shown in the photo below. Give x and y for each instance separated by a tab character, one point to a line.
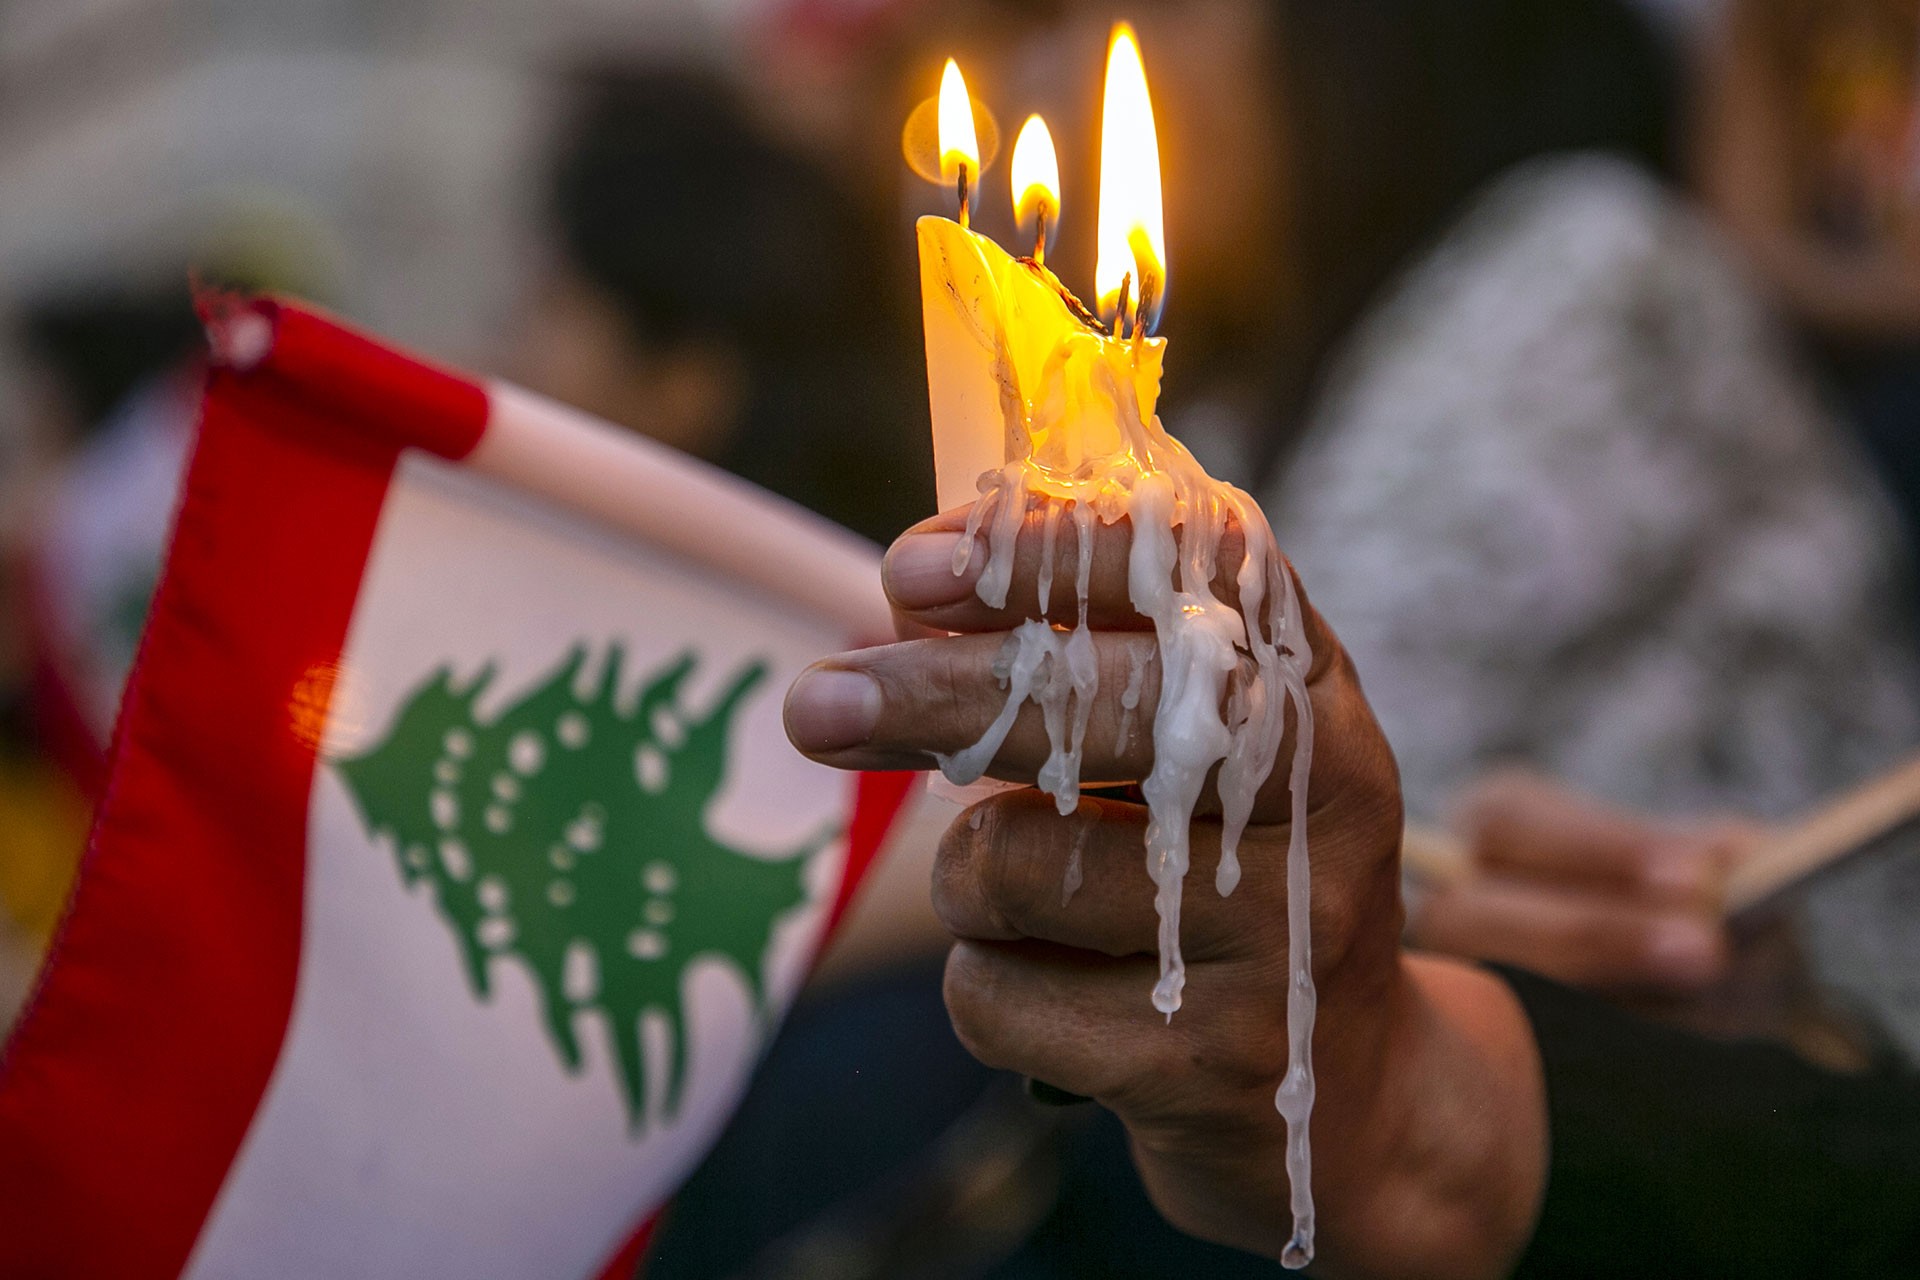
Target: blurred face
576	347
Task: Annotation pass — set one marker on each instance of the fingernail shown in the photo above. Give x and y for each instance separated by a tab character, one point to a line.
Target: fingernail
829	709
1684	951
919	571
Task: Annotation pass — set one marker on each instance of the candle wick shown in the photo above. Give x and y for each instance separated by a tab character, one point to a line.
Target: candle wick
962	185
1126	299
1040	240
1149	291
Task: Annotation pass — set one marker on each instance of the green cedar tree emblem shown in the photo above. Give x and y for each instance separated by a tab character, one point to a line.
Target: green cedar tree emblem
570	835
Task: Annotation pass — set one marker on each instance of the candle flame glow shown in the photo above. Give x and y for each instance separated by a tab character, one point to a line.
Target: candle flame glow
1132	236
959	146
1036	175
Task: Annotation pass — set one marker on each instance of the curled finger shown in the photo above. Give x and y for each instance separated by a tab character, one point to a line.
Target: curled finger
1012	868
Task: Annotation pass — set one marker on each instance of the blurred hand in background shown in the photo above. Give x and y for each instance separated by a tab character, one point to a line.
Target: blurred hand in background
1630	906
1589	895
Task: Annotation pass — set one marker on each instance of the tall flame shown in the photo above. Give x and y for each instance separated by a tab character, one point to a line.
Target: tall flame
1132	236
1036	174
959	146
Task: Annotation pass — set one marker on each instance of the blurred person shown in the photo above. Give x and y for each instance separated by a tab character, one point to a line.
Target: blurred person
1807	148
719	292
1577	393
116	367
118	375
1579	508
126	361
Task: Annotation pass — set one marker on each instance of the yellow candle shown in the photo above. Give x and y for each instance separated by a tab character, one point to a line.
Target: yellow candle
1012	371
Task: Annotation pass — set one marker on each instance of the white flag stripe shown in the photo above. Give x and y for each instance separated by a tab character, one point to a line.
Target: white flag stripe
665	498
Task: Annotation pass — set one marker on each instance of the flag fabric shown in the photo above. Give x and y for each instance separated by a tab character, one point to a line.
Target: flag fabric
452	868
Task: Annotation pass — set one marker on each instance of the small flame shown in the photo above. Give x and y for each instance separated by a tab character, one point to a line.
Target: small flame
1036	175
959	147
1132	236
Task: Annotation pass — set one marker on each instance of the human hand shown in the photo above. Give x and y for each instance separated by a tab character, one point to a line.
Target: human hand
1587	895
1057	985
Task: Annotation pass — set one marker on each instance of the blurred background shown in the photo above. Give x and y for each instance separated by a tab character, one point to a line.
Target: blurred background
1573	348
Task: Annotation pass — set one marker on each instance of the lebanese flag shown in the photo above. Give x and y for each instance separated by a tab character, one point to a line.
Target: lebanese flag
453	868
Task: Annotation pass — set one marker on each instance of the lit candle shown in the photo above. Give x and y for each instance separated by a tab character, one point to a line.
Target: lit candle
1040	407
1011	353
1129	273
959	145
1036	184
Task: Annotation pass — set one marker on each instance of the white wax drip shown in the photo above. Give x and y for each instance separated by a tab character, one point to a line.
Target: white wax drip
1047	539
1224	687
1130	699
1070	883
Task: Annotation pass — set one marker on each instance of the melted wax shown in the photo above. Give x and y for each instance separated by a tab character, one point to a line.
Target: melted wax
1015	371
1226	677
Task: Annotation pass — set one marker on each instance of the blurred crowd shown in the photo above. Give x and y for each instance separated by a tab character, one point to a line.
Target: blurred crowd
1573	348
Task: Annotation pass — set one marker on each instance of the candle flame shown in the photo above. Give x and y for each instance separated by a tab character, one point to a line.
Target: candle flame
1036	175
959	146
1132	236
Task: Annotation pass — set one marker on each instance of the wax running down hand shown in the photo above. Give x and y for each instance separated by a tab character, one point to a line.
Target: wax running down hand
1052	985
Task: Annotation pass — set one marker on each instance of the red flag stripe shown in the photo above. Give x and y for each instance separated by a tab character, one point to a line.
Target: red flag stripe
201	879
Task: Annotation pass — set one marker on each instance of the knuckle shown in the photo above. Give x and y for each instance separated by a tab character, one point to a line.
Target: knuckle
1007	871
1145	1074
1349	905
991	870
956	684
970	893
954	879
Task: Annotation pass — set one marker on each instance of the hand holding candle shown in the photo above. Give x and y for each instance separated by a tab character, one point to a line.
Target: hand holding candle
1049	979
1044	416
1103	609
1041	409
1054	984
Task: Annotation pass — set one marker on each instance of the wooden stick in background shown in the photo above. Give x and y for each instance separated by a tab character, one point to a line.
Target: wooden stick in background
1817	840
1435	856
